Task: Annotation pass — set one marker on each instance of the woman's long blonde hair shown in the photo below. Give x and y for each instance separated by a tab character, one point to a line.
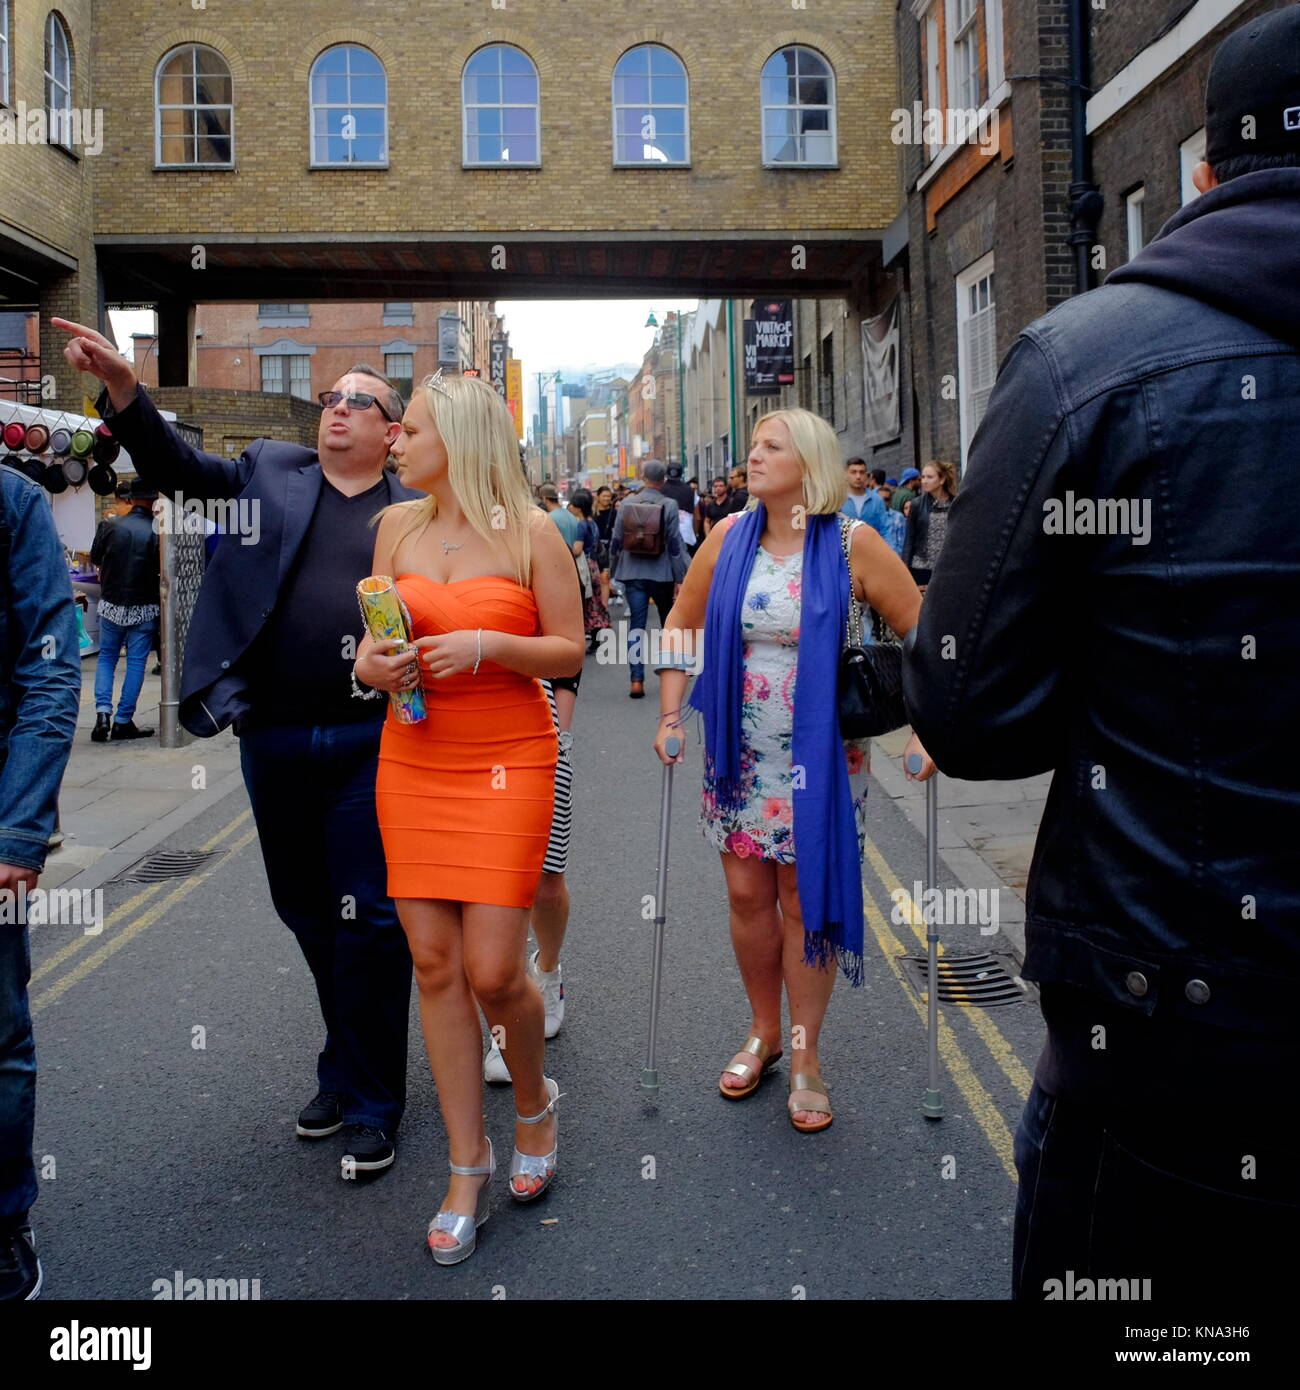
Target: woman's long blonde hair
482	466
818	451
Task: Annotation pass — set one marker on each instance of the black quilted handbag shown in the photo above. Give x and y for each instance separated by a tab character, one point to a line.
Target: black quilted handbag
871	676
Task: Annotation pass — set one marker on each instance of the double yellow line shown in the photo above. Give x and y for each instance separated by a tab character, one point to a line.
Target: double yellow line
981	1103
125	913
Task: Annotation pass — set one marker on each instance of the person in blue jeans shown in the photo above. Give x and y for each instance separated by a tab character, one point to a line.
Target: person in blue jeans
40	690
125	551
647	577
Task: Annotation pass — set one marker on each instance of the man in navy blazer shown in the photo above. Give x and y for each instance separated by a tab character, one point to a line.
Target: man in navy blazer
270	650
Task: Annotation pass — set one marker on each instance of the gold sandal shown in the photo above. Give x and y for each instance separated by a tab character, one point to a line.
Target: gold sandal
804	1081
755	1047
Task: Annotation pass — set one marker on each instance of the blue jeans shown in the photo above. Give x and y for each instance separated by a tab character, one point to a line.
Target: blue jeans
639	593
139	641
312	789
1159	1195
17	1079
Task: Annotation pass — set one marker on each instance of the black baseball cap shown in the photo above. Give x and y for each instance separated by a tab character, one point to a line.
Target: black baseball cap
1252	97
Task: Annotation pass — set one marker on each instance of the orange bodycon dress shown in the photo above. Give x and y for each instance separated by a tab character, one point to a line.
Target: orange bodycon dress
465	796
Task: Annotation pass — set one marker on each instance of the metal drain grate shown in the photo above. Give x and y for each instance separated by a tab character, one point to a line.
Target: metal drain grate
979	981
171	863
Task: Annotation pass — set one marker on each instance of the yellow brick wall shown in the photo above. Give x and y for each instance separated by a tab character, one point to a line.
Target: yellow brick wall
574	44
45	192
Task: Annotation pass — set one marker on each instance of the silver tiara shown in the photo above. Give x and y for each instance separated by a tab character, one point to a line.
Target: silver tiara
436	383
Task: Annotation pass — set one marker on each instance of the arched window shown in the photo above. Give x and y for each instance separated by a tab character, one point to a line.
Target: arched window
58	79
195	108
349	107
651	109
6	63
501	107
798	108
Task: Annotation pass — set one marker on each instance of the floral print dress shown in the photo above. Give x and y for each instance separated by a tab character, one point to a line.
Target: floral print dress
763	826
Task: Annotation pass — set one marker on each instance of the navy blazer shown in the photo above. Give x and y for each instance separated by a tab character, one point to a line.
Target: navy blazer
242	582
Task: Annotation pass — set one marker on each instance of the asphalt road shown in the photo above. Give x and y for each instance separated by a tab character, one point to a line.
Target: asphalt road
162	1156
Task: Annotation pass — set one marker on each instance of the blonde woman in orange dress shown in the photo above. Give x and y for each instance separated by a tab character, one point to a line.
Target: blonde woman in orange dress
465	796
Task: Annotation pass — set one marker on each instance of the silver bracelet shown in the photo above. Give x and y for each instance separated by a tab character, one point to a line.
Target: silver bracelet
479	658
357	692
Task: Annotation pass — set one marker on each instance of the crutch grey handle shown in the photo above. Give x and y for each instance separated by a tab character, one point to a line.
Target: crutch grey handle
673	747
914	763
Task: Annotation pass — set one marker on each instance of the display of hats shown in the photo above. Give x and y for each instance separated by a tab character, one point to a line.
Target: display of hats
75	471
15	434
37	438
34	468
60	440
83	442
102	480
106	448
53	478
14	461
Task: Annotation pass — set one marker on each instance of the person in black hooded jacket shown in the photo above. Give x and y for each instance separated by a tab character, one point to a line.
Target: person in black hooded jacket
1092	616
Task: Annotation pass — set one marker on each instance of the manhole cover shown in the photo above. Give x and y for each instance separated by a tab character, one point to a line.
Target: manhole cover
172	863
977	981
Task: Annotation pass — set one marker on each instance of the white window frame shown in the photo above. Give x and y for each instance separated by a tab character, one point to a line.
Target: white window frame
965	280
993	43
1133	209
466	161
6	51
832	105
650	107
313	106
158	109
288	375
1190	154
968	40
56	34
933	57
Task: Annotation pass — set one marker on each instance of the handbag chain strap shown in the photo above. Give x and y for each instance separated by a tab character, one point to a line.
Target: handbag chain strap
853	621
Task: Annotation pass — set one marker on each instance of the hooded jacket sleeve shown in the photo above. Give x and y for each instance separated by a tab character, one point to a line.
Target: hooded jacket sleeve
983	668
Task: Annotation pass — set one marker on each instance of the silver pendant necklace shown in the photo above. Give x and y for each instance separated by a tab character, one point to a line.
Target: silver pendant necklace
447	547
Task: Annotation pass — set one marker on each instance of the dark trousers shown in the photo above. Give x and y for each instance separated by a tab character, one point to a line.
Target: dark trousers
639	593
17	1079
312	788
1166	1197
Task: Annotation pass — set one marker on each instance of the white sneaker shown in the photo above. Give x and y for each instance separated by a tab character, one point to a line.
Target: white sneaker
552	986
495	1071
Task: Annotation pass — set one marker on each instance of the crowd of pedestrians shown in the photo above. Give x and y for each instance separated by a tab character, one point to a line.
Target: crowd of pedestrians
1154	675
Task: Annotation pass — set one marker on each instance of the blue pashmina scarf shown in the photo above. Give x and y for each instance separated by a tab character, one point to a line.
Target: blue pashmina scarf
827	860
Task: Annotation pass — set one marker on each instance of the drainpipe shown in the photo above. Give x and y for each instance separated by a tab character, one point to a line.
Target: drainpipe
731	379
1086	202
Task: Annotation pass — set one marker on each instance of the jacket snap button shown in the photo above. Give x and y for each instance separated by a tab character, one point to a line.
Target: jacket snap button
225	666
1197	991
1136	982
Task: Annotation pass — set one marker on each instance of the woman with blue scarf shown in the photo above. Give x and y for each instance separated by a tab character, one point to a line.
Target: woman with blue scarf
770	589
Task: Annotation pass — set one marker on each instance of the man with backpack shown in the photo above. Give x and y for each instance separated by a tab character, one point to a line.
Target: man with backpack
649	561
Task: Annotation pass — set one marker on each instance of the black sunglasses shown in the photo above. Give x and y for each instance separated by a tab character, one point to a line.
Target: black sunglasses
359	401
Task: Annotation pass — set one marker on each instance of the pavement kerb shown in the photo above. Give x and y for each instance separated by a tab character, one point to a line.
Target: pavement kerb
139	844
966	866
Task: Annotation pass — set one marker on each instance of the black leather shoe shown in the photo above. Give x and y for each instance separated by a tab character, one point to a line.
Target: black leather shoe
637	691
321	1116
103	726
368	1151
20	1270
122	732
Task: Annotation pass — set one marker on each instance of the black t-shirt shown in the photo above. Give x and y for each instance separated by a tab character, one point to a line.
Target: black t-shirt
713	512
739	500
297	670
